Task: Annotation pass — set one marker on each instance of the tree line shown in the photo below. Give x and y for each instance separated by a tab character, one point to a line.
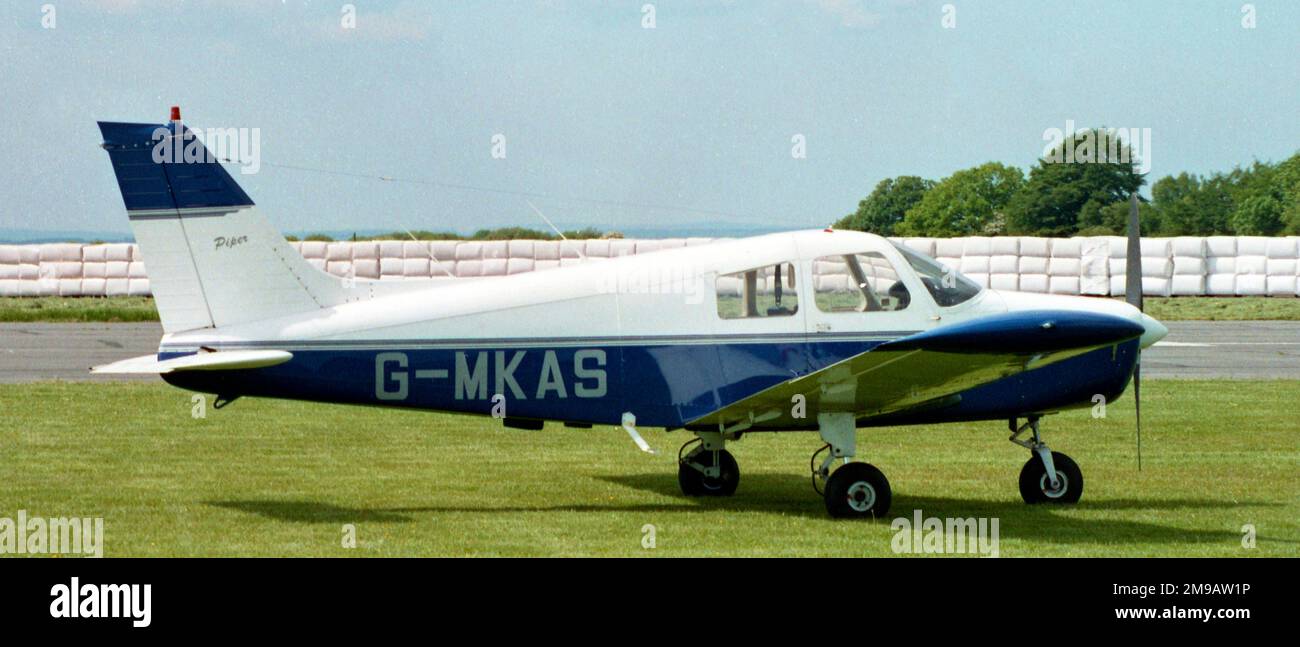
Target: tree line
1086	196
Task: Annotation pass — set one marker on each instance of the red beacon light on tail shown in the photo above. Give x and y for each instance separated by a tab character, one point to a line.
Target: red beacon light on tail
176	113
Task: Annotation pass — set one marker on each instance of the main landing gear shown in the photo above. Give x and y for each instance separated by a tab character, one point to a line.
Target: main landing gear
708	469
860	490
855	490
1048	476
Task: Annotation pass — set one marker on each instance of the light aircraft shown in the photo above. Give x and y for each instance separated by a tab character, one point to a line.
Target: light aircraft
823	330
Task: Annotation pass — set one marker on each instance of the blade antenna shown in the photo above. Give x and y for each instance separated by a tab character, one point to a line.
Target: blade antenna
554	228
1133	294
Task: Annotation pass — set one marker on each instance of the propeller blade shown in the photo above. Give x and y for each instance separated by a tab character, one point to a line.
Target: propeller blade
1133	294
1137	405
1133	258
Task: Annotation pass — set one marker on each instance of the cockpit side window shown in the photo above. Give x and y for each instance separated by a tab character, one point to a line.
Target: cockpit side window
946	285
761	292
865	282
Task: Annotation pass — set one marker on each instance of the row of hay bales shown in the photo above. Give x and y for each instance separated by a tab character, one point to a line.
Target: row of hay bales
1183	266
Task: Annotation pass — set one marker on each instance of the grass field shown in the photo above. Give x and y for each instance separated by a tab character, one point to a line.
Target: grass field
87	309
99	309
282	478
1223	308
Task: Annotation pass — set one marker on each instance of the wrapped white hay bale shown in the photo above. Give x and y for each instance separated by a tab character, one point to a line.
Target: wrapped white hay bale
338	252
314	250
366	250
546	250
339	268
520	265
522	249
416	267
1281	267
494	249
365	268
1094	266
572	249
922	245
1252	265
621	247
11	255
1221	266
494	267
469	268
390	267
116	287
443	250
392	249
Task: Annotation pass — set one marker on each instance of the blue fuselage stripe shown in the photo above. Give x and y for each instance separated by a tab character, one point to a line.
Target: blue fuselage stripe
665	382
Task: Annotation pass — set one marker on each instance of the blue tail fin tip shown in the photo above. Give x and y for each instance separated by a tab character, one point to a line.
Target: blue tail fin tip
163	180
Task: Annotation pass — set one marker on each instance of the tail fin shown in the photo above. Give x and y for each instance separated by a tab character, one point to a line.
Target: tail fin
212	259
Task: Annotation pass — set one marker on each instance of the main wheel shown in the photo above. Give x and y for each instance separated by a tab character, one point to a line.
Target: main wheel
857	491
1036	488
695	483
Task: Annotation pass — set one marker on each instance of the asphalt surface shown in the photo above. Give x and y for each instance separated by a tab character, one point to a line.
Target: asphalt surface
1194	349
1226	349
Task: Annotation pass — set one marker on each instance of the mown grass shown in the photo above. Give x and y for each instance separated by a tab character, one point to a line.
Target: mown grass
266	477
84	309
1223	308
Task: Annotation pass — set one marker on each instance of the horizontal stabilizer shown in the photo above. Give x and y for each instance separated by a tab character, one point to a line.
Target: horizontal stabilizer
202	361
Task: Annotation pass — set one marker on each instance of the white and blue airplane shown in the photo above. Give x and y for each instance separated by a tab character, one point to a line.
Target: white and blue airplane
826	331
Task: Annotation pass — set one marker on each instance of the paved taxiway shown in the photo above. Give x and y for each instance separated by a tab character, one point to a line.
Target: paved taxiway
1193	349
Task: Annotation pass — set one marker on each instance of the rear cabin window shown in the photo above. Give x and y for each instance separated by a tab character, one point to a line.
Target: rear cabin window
864	282
761	292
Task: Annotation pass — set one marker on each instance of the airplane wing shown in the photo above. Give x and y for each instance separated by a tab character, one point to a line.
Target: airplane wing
930	368
201	361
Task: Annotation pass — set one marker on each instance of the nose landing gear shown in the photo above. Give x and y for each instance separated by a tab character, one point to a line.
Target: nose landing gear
1048	476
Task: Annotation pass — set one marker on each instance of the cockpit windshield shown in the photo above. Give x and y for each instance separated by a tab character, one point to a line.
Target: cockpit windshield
946	285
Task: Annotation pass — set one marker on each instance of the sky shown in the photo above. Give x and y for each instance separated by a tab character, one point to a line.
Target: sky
723	115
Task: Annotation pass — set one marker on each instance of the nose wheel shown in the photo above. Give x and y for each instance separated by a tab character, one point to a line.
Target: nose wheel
1048	476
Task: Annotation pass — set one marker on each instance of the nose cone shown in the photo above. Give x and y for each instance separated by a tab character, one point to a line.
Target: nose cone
1155	331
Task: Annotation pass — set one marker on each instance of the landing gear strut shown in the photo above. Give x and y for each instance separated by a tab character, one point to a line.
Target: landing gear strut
1048	476
855	490
708	469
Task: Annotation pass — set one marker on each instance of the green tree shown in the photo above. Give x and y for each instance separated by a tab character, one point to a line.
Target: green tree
968	202
881	211
1260	215
1073	184
1112	219
1286	178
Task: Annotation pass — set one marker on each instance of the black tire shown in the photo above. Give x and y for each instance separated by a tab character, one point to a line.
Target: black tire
695	483
858	491
1034	487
